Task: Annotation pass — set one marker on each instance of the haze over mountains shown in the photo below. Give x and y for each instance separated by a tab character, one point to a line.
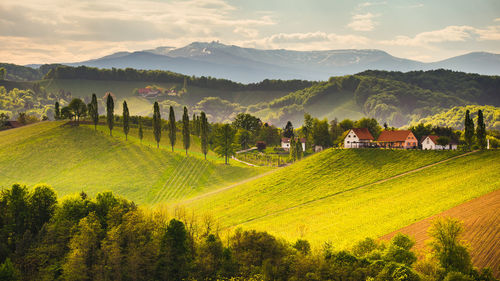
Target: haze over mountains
251	65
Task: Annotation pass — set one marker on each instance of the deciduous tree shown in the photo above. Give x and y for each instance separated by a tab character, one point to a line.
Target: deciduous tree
224	142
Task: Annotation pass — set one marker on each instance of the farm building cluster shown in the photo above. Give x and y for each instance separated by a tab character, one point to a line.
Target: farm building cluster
404	139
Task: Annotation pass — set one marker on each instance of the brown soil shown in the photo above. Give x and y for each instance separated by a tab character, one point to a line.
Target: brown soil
481	217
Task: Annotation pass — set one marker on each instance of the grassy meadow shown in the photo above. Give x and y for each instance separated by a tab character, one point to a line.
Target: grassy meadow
72	159
327	197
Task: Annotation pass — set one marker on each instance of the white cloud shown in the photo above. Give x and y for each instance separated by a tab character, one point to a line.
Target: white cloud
369	4
451	33
363	22
307	41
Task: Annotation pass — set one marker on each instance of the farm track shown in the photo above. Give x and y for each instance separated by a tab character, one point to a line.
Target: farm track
481	217
352	189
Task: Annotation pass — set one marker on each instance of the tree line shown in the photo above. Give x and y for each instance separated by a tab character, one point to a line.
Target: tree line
110	238
131	74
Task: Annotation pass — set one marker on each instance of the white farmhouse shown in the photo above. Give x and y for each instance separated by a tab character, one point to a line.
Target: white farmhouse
357	138
285	143
430	143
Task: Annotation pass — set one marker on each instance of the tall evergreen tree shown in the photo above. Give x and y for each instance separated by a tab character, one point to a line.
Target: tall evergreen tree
298	149
110	109
469	129
293	149
224	142
157	123
288	130
57	111
141	134
126	117
186	138
481	130
175	257
94	111
204	133
172	131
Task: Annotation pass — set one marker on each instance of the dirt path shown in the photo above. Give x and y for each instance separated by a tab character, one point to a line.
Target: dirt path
481	217
358	187
246	163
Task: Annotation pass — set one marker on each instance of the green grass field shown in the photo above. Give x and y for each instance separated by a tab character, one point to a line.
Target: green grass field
72	159
319	198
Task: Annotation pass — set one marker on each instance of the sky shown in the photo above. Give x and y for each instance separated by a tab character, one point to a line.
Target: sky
50	31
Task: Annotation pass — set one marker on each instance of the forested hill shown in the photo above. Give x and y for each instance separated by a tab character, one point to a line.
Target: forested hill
483	89
393	97
130	74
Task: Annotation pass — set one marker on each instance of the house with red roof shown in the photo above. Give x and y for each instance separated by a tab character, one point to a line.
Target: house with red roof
430	143
358	138
397	139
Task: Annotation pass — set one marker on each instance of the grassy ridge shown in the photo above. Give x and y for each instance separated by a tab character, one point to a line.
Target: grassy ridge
289	202
72	159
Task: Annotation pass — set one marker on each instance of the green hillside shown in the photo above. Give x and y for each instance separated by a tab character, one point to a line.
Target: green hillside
72	159
328	196
455	117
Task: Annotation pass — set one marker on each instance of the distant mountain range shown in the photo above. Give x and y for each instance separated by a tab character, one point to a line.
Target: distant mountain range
252	65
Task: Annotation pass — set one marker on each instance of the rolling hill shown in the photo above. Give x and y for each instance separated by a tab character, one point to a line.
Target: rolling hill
343	196
72	159
481	229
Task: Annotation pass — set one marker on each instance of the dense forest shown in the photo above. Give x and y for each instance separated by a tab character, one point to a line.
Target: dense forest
396	98
130	74
16	72
111	238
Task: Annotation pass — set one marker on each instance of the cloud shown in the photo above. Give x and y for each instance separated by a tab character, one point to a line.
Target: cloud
247	32
451	33
370	4
363	22
307	41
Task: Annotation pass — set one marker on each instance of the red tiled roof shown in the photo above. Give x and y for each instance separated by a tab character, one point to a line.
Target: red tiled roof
363	133
394	135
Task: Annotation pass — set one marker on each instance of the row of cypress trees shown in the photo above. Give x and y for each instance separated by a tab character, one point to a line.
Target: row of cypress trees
480	131
157	123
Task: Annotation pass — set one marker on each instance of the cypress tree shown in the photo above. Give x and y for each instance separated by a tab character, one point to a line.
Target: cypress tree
481	130
126	117
204	134
94	111
110	109
141	134
186	138
293	149
298	149
172	132
57	111
469	129
157	123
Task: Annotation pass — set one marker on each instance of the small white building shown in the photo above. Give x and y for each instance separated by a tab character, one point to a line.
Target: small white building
358	138
285	143
430	143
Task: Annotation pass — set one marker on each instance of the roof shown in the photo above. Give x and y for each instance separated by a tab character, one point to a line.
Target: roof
434	138
363	133
287	140
390	136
